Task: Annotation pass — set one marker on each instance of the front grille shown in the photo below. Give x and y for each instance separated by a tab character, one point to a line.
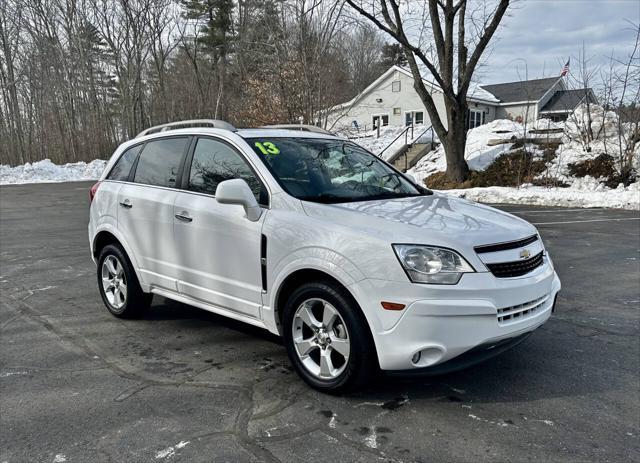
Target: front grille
517	268
506	246
521	311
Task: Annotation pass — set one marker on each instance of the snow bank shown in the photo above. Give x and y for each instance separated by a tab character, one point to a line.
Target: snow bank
46	171
583	192
587	192
608	137
545	124
478	153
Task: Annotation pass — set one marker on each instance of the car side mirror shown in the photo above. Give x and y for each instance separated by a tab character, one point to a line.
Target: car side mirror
237	191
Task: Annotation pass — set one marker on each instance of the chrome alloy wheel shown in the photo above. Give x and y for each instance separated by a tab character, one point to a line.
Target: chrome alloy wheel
321	338
114	282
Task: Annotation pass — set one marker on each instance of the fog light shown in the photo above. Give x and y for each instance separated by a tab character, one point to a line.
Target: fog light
416	357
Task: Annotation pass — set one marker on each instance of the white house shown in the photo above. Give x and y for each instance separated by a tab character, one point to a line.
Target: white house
392	100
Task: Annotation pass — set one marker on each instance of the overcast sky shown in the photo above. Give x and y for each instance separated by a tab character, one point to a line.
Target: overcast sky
546	32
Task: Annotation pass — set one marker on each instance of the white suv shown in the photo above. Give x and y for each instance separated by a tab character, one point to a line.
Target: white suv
315	239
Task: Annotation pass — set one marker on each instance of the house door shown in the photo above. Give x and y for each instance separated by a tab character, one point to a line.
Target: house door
475	118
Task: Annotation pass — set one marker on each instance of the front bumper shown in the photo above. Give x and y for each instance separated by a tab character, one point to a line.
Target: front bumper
468	359
442	323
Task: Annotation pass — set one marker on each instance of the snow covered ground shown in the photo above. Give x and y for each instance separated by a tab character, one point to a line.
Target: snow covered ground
479	153
582	192
47	172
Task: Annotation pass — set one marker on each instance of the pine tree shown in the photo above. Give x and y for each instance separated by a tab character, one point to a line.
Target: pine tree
393	55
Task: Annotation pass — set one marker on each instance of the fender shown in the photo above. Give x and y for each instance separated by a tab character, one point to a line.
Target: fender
110	228
311	258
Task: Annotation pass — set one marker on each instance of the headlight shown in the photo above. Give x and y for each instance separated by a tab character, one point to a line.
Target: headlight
431	264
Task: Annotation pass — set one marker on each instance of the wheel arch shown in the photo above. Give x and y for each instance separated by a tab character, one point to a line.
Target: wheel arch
300	276
102	239
108	236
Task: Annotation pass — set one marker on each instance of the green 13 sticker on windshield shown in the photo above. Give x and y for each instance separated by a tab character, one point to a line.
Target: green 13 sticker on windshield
266	148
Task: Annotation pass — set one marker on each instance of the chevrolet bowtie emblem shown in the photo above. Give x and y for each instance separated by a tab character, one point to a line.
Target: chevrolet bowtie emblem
524	254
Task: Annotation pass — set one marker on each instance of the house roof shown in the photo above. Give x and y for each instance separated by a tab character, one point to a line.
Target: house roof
475	93
567	100
525	90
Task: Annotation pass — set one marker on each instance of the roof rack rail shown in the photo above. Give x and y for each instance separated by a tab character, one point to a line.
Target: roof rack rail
300	127
217	124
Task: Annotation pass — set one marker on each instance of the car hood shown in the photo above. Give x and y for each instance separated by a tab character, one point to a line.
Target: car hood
434	219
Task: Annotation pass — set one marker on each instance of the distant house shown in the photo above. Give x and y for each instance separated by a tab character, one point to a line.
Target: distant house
392	100
529	100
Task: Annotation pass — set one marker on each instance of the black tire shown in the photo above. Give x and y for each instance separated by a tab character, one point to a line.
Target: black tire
362	361
136	301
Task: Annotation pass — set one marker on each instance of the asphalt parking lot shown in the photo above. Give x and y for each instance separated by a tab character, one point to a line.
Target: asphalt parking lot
181	384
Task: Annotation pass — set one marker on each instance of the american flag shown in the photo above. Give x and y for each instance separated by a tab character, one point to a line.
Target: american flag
565	68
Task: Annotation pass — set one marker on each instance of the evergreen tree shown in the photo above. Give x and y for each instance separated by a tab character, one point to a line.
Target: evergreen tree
393	55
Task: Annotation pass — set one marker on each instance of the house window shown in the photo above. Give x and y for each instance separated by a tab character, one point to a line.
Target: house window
397	111
395	86
475	119
413	117
381	119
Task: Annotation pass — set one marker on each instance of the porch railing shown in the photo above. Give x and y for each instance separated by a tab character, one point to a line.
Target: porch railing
408	129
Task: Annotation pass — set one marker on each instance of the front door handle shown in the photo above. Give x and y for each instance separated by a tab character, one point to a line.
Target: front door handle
183	216
126	204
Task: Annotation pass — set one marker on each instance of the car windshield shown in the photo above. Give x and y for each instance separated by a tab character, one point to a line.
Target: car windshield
330	170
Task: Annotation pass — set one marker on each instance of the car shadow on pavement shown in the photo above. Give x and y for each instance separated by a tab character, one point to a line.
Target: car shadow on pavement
530	371
166	309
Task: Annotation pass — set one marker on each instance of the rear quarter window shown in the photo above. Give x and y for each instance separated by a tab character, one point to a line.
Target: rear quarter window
122	167
159	162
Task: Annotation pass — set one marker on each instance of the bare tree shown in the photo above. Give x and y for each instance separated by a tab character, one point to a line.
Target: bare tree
621	95
78	77
11	116
451	63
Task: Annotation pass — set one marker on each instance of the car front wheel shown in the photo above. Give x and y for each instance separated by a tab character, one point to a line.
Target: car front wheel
327	338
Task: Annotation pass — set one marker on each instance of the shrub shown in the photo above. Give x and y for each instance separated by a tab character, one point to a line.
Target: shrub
510	169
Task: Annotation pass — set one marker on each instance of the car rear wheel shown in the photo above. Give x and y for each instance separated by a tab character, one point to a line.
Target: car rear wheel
118	284
327	338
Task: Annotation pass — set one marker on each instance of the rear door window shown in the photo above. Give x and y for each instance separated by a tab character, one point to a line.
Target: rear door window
122	168
159	162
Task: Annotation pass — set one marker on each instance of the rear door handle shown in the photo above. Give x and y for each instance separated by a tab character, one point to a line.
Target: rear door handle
126	204
184	217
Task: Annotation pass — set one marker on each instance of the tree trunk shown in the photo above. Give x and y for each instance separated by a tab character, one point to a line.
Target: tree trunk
454	144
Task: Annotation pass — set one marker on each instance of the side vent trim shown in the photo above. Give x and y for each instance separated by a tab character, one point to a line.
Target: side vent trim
263	262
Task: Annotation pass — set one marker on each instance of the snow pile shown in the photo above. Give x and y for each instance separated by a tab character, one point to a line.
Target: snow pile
545	124
585	192
606	136
46	171
478	153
